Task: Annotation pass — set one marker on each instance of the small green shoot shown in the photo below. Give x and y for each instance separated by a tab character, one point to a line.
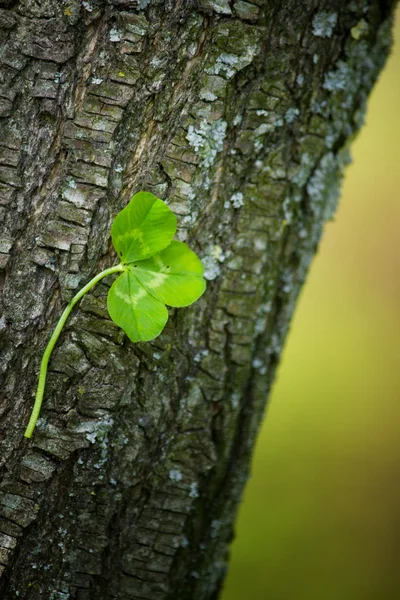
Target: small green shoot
155	270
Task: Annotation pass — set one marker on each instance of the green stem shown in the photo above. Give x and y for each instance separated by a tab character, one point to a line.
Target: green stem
49	348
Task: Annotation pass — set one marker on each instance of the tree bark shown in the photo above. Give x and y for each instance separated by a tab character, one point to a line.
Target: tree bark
239	115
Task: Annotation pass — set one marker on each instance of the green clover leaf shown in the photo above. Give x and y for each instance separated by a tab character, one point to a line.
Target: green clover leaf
174	276
141	316
143	228
152	278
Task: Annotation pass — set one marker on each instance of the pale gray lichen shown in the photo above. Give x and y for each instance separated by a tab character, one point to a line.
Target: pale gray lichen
257	363
184	542
359	115
216	526
324	24
273	123
97	430
324	186
156	62
224	64
207	140
319	107
115	35
228	64
175	475
304	170
287	210
287	280
275	345
87	6
208	95
235	400
303	233
318	182
237	200
200	355
194	492
291	115
338	79
258	145
260	243
261	129
210	262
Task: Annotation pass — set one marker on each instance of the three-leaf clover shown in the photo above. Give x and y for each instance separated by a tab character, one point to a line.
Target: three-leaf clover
155	270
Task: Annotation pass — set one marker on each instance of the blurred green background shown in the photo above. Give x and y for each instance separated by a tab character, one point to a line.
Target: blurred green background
321	513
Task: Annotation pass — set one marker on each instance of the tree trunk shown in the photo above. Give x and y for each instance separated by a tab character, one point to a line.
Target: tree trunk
239	115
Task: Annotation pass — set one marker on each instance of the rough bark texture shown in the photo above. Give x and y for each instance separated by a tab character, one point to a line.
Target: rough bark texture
240	115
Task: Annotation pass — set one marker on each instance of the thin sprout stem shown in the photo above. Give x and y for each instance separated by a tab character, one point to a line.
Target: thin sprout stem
49	348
